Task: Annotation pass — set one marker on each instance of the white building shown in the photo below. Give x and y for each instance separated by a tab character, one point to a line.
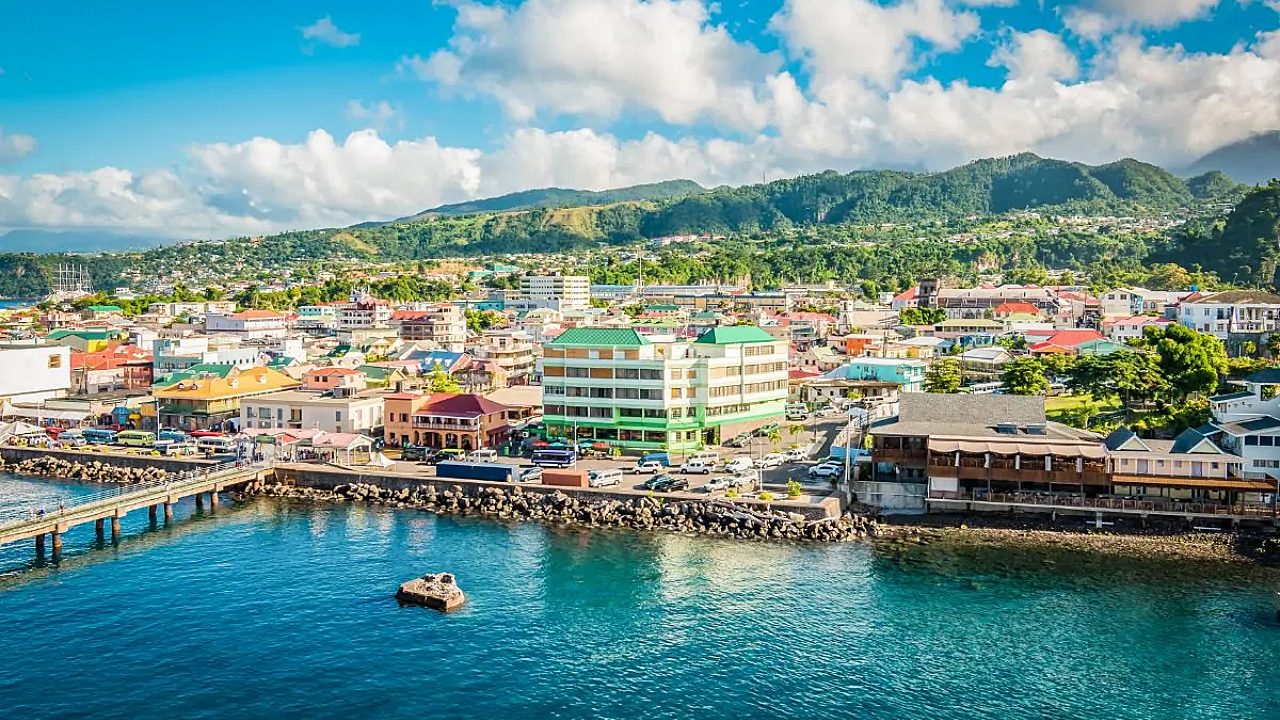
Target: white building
248	324
441	323
1232	312
317	318
1125	302
191	309
557	292
309	410
174	354
1249	423
365	313
34	373
1123	329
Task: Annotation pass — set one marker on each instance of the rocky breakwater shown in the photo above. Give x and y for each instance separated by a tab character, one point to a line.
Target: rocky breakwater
93	472
438	592
709	517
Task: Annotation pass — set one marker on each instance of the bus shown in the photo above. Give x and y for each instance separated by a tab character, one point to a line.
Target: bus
99	436
136	438
219	445
174	435
554	458
987	388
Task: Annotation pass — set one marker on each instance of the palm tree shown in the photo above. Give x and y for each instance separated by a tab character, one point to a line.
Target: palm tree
794	429
775	438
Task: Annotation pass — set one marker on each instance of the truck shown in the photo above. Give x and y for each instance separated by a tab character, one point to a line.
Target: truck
496	472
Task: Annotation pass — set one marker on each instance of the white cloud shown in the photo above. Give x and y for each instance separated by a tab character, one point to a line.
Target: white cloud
379	116
325	32
1095	18
15	146
601	58
1035	55
864	40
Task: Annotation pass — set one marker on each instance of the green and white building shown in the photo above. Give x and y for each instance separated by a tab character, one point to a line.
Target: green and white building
648	393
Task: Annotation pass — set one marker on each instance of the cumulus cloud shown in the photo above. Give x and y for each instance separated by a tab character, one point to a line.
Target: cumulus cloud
15	146
1095	18
325	32
1036	54
379	116
600	58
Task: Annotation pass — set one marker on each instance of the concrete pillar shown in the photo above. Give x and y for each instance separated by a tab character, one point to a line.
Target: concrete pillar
98	528
168	512
199	501
115	529
151	514
213	498
40	553
57	544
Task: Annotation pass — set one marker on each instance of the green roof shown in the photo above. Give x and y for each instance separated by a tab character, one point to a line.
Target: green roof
735	335
86	334
193	372
613	337
663	308
377	373
106	308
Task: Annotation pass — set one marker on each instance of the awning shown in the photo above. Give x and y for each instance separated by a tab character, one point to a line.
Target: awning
44	414
1204	483
943	446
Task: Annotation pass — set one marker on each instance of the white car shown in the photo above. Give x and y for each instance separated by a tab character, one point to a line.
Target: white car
648	468
696	467
746	478
830	411
827	470
797	454
716	484
737	465
773	460
604	478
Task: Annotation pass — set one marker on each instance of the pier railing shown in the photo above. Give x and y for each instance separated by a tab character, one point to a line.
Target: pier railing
1075	501
39	516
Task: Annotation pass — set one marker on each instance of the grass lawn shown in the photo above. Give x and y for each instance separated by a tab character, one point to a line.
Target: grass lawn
1059	404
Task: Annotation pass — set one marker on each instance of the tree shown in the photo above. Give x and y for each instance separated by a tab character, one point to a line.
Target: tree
480	320
1273	344
922	316
943	377
1126	374
1025	376
440	381
775	438
1191	361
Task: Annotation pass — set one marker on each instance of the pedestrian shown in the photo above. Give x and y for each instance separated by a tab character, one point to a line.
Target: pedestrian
62	506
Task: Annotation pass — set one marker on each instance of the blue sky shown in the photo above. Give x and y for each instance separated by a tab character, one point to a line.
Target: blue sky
133	116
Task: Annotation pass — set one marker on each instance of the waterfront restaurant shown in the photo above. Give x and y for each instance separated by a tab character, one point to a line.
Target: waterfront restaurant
978	447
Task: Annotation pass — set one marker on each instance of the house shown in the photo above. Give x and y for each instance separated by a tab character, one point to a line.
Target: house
904	299
446	420
1066	342
86	340
1233	314
1023	311
103	312
349	409
210	401
983	364
123	367
821	358
33	373
958	447
1124	329
907	374
1191	467
248	324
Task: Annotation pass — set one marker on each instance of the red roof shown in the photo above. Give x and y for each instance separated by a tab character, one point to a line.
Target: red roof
463	405
257	315
335	371
1065	338
1017	307
908	294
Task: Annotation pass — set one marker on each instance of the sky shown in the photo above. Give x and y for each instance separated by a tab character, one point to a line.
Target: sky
209	120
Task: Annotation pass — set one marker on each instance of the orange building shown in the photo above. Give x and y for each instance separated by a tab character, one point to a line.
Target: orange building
446	420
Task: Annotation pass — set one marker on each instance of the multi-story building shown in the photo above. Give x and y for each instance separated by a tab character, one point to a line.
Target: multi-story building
557	292
123	367
628	390
331	399
209	401
365	312
247	324
169	355
448	420
906	373
512	351
1126	302
34	373
317	319
440	323
1233	314
191	309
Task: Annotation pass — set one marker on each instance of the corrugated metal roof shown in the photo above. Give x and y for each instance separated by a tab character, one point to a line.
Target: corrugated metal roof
614	337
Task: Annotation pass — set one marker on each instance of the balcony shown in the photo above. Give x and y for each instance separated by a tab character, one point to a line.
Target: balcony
897	455
447	425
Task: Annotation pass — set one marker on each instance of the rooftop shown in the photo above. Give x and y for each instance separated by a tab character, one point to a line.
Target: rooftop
734	335
614	337
1238	297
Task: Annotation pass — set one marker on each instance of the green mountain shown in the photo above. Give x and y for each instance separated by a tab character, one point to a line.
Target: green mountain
1254	160
562	197
1244	248
1214	185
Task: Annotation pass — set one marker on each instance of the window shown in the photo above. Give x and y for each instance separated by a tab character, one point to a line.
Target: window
650	374
626	393
576	372
248	412
55	361
337	416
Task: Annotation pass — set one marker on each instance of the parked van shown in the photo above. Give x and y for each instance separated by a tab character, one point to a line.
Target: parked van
604	478
482	455
740	464
706	457
72	438
797	411
659	457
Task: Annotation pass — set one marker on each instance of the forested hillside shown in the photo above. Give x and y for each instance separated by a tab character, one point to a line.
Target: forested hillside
562	197
1244	247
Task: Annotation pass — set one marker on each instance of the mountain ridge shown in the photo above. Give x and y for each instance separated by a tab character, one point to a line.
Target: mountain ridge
1253	161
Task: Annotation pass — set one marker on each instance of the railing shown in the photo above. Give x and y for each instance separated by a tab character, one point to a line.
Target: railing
1075	501
40	516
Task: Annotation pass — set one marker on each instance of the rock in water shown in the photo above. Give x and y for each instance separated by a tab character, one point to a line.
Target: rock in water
438	592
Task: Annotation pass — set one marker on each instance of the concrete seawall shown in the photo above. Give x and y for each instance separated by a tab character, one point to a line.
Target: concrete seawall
328	478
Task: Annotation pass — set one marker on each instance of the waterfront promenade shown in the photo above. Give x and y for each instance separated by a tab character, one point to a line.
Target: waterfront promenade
113	504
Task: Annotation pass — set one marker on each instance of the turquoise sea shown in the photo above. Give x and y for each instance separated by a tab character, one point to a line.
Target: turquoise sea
279	609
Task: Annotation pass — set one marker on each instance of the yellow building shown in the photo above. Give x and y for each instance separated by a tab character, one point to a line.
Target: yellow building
206	401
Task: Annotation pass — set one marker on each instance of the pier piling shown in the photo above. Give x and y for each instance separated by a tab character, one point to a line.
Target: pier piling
213	499
168	512
57	544
151	514
199	501
115	529
40	556
98	528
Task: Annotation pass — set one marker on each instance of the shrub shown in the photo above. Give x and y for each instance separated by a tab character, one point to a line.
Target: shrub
766	496
793	488
731	493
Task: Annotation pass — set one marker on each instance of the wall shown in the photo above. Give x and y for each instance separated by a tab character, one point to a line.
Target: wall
40	372
17	454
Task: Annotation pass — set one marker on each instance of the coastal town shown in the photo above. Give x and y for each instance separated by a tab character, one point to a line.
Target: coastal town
938	399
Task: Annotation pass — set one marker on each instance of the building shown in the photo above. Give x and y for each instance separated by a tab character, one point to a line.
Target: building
123	367
1126	328
317	319
956	447
1190	467
512	351
619	387
907	374
169	355
447	420
1127	302
364	312
344	409
555	292
440	323
247	324
191	309
1233	314
85	340
30	374
207	401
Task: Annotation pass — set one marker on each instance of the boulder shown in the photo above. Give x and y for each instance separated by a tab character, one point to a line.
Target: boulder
437	591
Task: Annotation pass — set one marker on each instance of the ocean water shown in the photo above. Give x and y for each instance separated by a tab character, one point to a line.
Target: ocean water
281	609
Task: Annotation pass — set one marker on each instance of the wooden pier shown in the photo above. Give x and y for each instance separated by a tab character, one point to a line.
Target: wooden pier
114	504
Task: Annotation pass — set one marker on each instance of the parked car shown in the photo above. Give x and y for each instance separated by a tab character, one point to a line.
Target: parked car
696	466
745	479
739	440
737	465
445	455
483	455
648	467
604	478
796	454
656	480
531	474
830	411
672	484
764	430
773	460
827	470
719	483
